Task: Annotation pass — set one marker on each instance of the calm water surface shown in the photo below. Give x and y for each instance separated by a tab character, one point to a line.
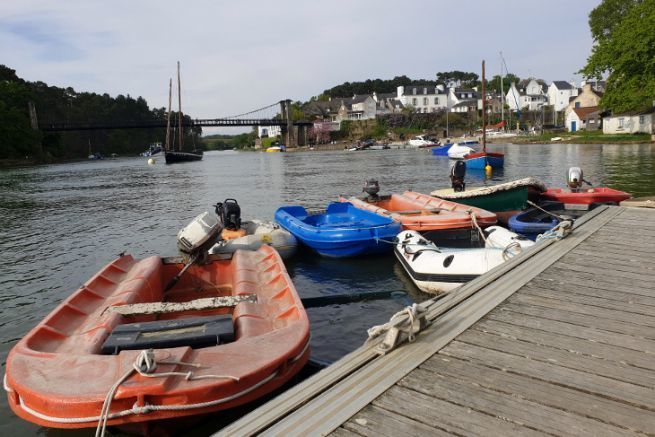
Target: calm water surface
62	223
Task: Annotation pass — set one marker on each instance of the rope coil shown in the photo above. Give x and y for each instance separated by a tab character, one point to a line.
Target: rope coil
412	324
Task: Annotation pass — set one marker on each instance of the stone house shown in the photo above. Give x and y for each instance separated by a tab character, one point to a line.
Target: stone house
387	103
587	98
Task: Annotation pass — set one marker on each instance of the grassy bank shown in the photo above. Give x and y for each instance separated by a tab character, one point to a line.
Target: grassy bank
582	137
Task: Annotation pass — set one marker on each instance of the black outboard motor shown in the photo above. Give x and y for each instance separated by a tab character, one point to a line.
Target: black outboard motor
230	213
457	173
372	188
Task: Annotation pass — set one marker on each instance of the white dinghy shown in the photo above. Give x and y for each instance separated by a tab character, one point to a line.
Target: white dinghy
458	151
436	271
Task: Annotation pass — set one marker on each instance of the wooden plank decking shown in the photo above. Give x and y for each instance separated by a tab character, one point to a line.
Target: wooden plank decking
559	343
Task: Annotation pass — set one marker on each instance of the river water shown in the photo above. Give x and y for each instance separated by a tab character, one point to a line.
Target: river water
62	223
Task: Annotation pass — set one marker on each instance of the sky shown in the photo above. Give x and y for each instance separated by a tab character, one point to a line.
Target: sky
237	56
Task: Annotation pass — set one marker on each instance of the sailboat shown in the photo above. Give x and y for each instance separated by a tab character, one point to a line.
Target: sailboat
174	156
480	160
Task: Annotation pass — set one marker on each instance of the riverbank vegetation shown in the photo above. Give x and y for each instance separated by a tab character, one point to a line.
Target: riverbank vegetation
19	141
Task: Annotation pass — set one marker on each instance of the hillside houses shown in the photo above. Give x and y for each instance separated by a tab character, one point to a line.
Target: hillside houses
561	102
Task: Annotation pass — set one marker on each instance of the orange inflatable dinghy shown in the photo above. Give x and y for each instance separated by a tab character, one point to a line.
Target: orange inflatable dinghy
420	212
122	350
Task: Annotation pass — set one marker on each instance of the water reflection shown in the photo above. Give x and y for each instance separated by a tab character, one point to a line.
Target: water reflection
61	223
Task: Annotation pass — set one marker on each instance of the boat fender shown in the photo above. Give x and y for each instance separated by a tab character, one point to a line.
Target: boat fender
448	260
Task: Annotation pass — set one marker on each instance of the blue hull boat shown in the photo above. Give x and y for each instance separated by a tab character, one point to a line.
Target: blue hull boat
341	231
479	161
441	150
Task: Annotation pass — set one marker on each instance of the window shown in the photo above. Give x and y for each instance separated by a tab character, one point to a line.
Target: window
436	100
621	120
577	104
426	102
414	102
642	119
414	91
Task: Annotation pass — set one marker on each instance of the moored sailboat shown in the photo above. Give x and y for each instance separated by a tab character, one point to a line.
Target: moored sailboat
174	156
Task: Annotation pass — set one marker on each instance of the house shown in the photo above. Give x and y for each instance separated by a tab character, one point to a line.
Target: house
632	122
343	108
423	98
463	100
530	94
560	93
583	119
269	131
387	103
587	98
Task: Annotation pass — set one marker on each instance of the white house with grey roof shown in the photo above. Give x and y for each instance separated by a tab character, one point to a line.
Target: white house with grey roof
423	98
530	94
560	93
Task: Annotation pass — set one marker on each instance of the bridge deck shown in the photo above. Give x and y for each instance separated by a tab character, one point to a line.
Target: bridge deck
561	342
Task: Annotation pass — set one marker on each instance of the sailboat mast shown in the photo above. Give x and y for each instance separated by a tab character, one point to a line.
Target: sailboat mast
179	103
484	111
168	116
502	93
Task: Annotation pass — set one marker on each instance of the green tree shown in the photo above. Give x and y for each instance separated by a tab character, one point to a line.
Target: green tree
624	50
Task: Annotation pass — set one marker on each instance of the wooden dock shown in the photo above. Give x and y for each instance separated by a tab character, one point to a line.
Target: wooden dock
557	341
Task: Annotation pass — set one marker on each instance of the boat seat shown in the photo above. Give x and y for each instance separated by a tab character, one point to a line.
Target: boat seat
253	319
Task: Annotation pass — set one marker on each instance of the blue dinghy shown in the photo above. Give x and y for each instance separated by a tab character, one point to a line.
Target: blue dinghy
341	231
535	221
441	150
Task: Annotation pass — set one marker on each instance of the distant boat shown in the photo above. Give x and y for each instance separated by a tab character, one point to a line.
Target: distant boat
481	160
153	149
421	141
175	156
276	149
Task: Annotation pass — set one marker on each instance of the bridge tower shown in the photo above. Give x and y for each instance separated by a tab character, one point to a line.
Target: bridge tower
287	128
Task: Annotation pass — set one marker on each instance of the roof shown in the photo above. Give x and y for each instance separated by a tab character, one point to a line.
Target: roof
632	113
584	112
562	85
422	90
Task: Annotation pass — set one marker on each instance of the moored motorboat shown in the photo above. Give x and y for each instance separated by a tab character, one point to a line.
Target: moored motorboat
339	231
445	222
586	197
421	141
250	234
162	338
436	270
575	197
505	200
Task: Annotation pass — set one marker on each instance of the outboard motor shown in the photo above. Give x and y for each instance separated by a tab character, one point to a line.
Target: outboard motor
575	178
457	173
372	188
230	214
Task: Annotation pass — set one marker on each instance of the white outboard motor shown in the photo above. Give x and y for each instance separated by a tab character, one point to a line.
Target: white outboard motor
575	178
200	234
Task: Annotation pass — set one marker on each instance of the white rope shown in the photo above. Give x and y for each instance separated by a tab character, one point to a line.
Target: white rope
392	329
560	231
148	408
474	220
513	245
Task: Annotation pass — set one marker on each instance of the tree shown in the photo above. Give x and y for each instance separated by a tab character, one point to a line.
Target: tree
461	78
624	50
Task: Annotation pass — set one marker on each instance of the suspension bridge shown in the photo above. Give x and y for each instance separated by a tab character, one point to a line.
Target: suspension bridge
294	133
